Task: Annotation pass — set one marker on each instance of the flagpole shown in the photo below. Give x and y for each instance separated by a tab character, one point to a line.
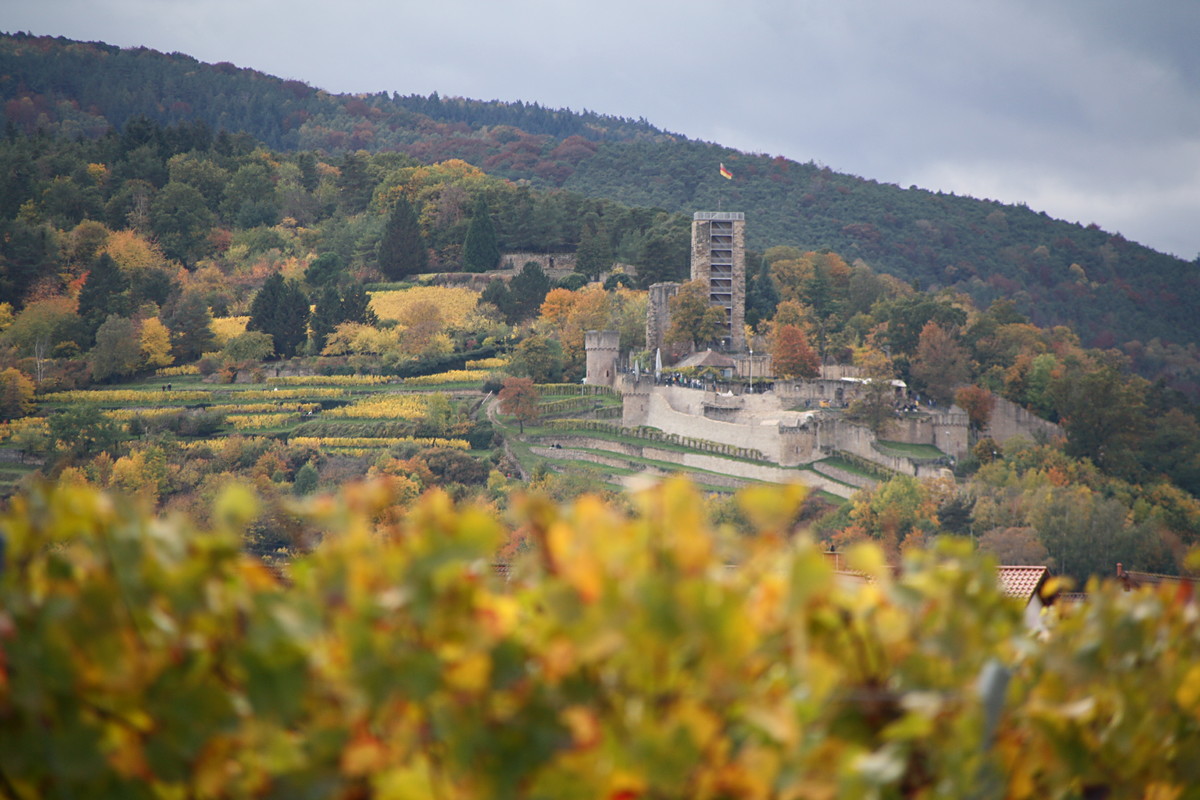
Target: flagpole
727	175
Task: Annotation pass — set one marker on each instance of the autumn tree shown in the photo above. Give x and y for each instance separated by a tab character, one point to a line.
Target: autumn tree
16	394
402	250
694	320
249	346
1014	546
539	358
118	351
899	514
978	402
1102	413
421	321
876	405
940	365
41	328
155	342
519	397
792	356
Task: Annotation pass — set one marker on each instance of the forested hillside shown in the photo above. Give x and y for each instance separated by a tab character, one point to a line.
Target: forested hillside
180	309
1110	290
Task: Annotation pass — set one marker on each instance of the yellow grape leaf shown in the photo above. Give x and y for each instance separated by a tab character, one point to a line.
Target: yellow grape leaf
470	673
496	614
409	782
1188	693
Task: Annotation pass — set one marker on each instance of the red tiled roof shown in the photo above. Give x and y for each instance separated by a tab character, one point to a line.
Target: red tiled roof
1020	582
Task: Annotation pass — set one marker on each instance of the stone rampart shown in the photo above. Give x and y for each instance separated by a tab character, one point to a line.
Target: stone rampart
948	431
662	414
844	475
1010	420
741	471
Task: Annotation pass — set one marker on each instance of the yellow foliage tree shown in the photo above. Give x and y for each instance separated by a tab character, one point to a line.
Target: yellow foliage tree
156	343
133	252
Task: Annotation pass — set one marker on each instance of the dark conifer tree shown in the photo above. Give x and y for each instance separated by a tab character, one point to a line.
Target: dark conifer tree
356	305
481	251
280	309
660	259
527	290
594	254
326	315
354	184
402	250
762	295
106	291
190	323
349	303
497	293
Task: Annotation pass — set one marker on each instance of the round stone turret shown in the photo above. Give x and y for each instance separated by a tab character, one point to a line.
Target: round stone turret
602	348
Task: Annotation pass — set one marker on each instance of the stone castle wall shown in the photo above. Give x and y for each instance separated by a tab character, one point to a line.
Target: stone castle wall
1010	420
947	431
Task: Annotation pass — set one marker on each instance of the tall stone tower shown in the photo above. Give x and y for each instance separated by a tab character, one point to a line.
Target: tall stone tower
719	260
658	313
602	349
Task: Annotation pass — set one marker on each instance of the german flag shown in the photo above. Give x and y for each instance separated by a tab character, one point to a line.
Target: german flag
726	173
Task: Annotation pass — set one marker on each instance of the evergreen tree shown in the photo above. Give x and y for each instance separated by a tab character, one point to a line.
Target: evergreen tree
326	316
324	270
402	250
498	294
190	323
356	305
527	290
594	254
350	303
280	309
660	259
481	251
762	295
106	291
354	184
181	222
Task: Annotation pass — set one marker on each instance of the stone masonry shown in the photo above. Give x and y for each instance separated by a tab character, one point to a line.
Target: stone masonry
719	260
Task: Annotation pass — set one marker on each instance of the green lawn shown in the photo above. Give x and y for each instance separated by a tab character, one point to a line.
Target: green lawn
906	450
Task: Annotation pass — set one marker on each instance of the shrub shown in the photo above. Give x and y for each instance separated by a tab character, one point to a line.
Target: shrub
625	657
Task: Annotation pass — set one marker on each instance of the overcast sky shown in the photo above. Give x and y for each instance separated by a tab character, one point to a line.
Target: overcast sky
1086	109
